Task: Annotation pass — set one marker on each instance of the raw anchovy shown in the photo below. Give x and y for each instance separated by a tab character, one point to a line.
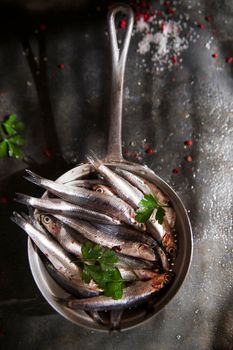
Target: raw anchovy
86	183
149	188
107	204
58	206
133	263
136	249
134	235
130	275
79	172
133	295
103	189
62	261
162	233
65	235
127	233
121	187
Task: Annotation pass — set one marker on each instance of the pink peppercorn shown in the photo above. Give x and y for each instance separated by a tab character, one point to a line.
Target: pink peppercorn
201	26
189	159
174	59
123	24
150	151
176	170
171	10
188	142
208	18
229	59
61	66
215	55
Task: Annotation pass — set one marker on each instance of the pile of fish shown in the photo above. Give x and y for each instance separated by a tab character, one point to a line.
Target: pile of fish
101	208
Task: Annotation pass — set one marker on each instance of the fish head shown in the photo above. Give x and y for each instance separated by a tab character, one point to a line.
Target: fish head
170	244
51	224
102	189
160	280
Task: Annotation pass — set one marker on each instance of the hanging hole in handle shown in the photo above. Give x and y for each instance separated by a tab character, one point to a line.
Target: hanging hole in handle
120	19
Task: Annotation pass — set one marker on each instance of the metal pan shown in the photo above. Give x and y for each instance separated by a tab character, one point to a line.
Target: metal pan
48	287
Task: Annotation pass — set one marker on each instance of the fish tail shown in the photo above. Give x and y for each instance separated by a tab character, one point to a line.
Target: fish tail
18	220
22	198
34	178
62	301
94	160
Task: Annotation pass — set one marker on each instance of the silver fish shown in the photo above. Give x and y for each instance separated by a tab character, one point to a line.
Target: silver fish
133	295
127	233
134	235
86	183
131	275
122	187
65	235
58	206
130	262
62	261
103	189
106	204
162	233
136	249
149	188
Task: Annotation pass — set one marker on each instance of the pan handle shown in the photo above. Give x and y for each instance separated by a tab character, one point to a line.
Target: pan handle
118	58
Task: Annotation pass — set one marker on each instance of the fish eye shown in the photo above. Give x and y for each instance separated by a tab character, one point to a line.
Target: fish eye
46	219
99	189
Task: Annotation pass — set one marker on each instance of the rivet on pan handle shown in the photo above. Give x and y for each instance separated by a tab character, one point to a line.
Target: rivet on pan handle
118	56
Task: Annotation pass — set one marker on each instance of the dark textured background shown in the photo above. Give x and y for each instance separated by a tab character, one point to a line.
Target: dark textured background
66	113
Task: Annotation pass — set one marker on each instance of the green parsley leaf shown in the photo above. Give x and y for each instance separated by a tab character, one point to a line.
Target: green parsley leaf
10	140
149	201
13	150
3	149
9	124
17	140
92	251
147	205
160	215
114	290
143	215
108	259
102	270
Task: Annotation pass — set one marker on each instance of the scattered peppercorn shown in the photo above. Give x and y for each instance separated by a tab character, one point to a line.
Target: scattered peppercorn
61	66
189	159
176	170
201	26
150	151
208	18
174	59
229	59
122	24
215	55
188	142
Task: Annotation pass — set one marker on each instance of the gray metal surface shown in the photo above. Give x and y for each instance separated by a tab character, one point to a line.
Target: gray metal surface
66	110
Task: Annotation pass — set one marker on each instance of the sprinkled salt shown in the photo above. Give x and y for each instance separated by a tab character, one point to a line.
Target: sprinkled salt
165	34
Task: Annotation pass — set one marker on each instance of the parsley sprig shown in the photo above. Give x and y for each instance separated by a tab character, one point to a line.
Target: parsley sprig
10	138
102	269
146	207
